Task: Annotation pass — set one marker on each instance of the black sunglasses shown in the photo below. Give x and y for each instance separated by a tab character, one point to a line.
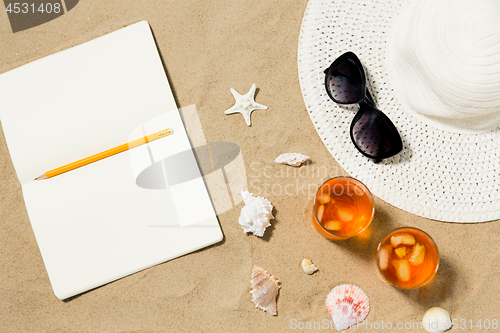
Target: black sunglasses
372	132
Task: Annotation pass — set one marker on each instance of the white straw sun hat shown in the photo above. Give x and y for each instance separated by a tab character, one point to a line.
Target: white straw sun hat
433	67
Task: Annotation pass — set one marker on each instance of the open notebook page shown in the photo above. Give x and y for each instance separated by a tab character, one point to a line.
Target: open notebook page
95	224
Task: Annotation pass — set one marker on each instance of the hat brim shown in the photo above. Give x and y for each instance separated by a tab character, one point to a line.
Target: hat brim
439	175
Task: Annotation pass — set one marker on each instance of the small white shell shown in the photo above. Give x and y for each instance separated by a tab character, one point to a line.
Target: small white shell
347	305
308	266
436	320
264	290
293	159
256	213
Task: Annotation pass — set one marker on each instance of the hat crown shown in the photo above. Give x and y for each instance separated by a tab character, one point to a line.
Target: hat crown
444	62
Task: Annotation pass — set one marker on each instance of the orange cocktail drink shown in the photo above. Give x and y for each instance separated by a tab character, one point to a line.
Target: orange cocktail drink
343	207
407	258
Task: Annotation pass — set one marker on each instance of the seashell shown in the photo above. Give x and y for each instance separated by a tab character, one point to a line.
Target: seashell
256	214
308	266
264	290
436	320
347	305
293	159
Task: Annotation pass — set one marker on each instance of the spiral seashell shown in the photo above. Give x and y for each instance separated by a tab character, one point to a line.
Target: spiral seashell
256	214
347	305
264	290
293	159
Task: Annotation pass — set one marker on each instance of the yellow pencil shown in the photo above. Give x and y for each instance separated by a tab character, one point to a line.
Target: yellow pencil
106	153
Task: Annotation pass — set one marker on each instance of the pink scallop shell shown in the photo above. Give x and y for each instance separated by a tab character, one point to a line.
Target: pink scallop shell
347	305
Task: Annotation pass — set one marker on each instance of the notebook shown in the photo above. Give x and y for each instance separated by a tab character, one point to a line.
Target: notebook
122	214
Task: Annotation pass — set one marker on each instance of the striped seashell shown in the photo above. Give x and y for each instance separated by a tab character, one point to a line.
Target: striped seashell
347	305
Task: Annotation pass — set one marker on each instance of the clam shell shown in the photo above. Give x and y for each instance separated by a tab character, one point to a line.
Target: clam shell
293	159
264	290
436	320
347	305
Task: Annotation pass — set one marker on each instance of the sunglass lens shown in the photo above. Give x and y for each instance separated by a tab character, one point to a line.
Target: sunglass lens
374	134
345	81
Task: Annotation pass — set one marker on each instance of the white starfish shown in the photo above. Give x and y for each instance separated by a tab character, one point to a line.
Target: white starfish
245	104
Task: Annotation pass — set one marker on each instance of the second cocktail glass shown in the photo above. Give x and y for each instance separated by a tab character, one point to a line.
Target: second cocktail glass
407	258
